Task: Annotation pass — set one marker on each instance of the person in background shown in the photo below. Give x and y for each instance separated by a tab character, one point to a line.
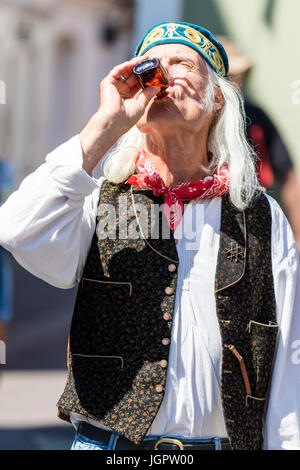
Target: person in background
6	274
275	167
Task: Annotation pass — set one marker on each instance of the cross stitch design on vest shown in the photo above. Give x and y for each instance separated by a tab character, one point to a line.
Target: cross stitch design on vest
234	253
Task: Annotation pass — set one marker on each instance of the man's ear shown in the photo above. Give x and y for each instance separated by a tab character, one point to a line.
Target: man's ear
219	99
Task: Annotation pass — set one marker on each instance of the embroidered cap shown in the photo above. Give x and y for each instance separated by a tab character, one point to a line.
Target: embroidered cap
200	39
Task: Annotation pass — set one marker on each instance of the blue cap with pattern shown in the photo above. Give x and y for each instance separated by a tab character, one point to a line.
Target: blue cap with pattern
200	39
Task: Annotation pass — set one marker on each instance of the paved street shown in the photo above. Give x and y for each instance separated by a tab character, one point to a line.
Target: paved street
28	412
35	370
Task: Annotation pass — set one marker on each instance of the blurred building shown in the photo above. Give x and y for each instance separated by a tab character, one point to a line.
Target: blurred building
53	55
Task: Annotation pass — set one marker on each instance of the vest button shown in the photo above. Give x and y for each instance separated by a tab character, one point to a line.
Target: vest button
167	316
172	268
163	363
159	388
169	290
166	341
176	241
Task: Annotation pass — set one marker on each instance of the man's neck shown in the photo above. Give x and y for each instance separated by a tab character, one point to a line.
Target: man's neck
180	158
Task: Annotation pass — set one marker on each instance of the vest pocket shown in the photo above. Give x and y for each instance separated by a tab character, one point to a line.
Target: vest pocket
255	402
254	408
104	361
262	339
98	381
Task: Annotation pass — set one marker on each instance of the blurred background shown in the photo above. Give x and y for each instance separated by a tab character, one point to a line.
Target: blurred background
53	54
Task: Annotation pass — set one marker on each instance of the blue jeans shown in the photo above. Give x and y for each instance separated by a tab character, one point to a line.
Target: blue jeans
83	443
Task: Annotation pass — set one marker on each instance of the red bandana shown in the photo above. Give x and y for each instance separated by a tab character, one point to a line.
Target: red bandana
148	178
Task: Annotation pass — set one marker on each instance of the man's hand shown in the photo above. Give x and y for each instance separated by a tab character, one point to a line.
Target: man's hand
122	104
121	99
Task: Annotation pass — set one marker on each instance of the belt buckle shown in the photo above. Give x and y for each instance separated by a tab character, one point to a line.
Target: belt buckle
169	440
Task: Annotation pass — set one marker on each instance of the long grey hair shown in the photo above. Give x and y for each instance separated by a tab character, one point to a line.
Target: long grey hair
226	141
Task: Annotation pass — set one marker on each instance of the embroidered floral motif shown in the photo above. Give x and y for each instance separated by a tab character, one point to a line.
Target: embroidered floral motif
185	34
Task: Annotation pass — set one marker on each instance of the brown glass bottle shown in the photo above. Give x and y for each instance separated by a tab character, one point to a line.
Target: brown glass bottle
150	72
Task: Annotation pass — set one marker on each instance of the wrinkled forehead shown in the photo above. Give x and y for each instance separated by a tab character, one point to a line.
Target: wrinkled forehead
178	52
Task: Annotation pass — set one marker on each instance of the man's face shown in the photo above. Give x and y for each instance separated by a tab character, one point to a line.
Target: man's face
183	105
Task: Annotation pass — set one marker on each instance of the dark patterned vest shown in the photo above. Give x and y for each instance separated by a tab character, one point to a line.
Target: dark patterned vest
121	328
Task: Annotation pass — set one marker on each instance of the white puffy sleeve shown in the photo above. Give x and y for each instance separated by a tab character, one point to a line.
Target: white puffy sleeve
282	425
49	222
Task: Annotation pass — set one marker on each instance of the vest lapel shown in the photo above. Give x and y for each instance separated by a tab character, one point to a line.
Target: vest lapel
231	262
155	230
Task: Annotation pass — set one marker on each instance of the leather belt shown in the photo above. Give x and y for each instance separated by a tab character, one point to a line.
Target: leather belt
176	444
104	436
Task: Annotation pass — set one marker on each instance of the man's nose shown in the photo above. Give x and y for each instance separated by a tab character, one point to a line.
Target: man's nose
166	65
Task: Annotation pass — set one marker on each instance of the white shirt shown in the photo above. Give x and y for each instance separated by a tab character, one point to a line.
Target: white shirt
48	224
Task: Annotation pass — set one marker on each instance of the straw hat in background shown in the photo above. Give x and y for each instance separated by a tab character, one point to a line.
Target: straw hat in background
239	64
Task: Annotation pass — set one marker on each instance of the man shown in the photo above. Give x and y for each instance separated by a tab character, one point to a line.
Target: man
275	167
174	331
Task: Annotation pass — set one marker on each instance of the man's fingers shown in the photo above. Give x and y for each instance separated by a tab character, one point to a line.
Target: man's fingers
132	80
147	94
125	69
